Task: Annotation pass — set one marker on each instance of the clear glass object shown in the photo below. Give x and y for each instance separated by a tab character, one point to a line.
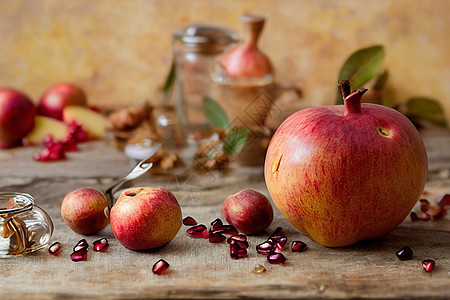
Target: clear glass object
24	227
196	49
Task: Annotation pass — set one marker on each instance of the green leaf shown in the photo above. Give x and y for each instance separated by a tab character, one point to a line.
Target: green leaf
215	113
361	67
380	84
426	109
234	142
170	80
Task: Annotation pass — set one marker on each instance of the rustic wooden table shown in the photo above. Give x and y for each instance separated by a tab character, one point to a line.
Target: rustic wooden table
203	270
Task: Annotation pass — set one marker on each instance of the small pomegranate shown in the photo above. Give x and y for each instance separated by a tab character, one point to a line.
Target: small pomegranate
160	267
55	248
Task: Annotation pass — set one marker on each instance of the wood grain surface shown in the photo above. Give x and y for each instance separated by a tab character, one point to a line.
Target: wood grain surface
202	270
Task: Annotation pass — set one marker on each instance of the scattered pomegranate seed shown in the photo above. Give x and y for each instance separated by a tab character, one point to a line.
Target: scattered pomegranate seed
189	221
52	151
280	243
79	255
276	258
226	229
424	205
443	201
82	244
239	237
241	244
101	245
259	269
423	217
199	232
216	238
265	247
160	266
404	253
55	248
428	265
216	224
237	252
277	234
298	246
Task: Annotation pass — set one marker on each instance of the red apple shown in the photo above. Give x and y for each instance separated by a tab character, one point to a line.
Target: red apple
248	210
346	173
17	114
59	96
83	210
145	218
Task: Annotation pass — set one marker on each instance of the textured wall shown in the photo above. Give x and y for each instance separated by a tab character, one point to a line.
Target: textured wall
120	51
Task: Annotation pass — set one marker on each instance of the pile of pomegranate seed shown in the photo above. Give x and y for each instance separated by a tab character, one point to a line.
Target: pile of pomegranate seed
238	246
160	266
101	245
432	212
57	150
404	253
55	248
273	246
428	265
80	250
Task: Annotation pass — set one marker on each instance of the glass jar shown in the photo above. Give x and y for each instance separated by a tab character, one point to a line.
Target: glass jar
196	49
24	227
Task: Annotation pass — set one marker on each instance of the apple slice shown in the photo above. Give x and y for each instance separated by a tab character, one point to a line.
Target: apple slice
92	122
43	127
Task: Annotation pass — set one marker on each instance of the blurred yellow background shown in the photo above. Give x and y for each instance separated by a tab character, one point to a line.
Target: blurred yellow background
120	51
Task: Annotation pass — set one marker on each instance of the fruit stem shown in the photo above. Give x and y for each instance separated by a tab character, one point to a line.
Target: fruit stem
352	101
253	26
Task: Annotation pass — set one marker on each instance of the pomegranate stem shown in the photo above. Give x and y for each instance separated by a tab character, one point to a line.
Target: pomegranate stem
352	103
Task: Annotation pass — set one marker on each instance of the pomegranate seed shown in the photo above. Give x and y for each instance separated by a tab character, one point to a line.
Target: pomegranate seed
160	266
239	237
82	244
236	252
298	246
55	248
240	244
79	255
280	243
216	224
199	232
428	265
189	221
404	253
226	229
277	234
424	205
101	245
276	258
444	201
216	238
422	217
265	247
259	269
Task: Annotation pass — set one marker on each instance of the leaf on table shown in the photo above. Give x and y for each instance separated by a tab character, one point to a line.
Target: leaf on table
234	142
361	67
215	113
426	109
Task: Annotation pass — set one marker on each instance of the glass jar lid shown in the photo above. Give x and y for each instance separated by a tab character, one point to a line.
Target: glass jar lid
205	37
